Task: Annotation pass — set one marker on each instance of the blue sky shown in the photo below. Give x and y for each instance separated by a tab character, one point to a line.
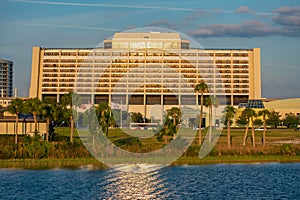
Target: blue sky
273	26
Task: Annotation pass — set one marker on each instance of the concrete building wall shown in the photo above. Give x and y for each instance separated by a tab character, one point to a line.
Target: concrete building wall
36	72
255	74
8	127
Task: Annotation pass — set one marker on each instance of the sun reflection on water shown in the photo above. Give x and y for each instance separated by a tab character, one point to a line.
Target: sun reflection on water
128	185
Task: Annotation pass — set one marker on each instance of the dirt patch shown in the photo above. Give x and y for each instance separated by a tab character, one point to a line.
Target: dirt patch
296	141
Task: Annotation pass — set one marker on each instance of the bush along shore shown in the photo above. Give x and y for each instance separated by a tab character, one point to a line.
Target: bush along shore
35	153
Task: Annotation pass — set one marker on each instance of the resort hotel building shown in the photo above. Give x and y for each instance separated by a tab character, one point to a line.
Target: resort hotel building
146	71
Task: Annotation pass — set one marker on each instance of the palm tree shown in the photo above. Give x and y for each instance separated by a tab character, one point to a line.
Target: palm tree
48	111
264	113
105	117
15	108
175	113
210	102
69	102
202	88
229	114
249	114
33	106
91	123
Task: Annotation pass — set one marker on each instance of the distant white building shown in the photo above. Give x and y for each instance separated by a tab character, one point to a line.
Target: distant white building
6	78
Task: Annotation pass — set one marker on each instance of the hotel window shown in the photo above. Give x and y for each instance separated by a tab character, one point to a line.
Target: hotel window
240	62
157	45
255	104
68	53
83	53
107	45
223	54
51	53
240	54
185	45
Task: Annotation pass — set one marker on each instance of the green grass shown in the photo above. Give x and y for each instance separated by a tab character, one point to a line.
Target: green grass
274	151
94	164
38	164
236	159
274	138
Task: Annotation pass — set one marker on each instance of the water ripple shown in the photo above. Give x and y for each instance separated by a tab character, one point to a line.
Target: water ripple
260	181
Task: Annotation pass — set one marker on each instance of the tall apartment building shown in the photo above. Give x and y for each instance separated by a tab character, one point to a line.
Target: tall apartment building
6	78
149	68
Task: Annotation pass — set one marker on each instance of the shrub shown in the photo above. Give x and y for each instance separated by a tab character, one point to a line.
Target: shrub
192	151
287	149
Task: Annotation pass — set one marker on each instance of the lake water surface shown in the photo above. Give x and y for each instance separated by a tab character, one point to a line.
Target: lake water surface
222	181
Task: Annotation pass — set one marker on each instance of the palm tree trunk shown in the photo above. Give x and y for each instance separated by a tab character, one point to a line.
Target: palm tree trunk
35	122
72	129
16	129
253	135
246	133
165	139
210	124
200	120
264	133
106	132
93	138
174	120
47	128
228	134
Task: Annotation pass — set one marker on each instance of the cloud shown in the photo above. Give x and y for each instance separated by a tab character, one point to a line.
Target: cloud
286	9
240	10
71	27
60	3
285	21
288	17
243	9
160	23
244	29
196	14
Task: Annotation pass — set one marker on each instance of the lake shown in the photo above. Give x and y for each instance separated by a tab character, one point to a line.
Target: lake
221	181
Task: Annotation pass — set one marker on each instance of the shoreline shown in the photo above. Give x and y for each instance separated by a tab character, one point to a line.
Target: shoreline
93	164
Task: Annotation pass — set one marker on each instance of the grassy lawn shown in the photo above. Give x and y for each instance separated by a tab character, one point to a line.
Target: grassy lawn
273	152
274	139
52	163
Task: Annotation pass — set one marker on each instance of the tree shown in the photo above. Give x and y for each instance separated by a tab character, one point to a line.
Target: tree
33	106
229	114
48	111
249	115
291	120
242	120
258	122
273	119
92	124
104	114
169	130
175	113
69	102
15	108
264	113
210	102
202	88
137	117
